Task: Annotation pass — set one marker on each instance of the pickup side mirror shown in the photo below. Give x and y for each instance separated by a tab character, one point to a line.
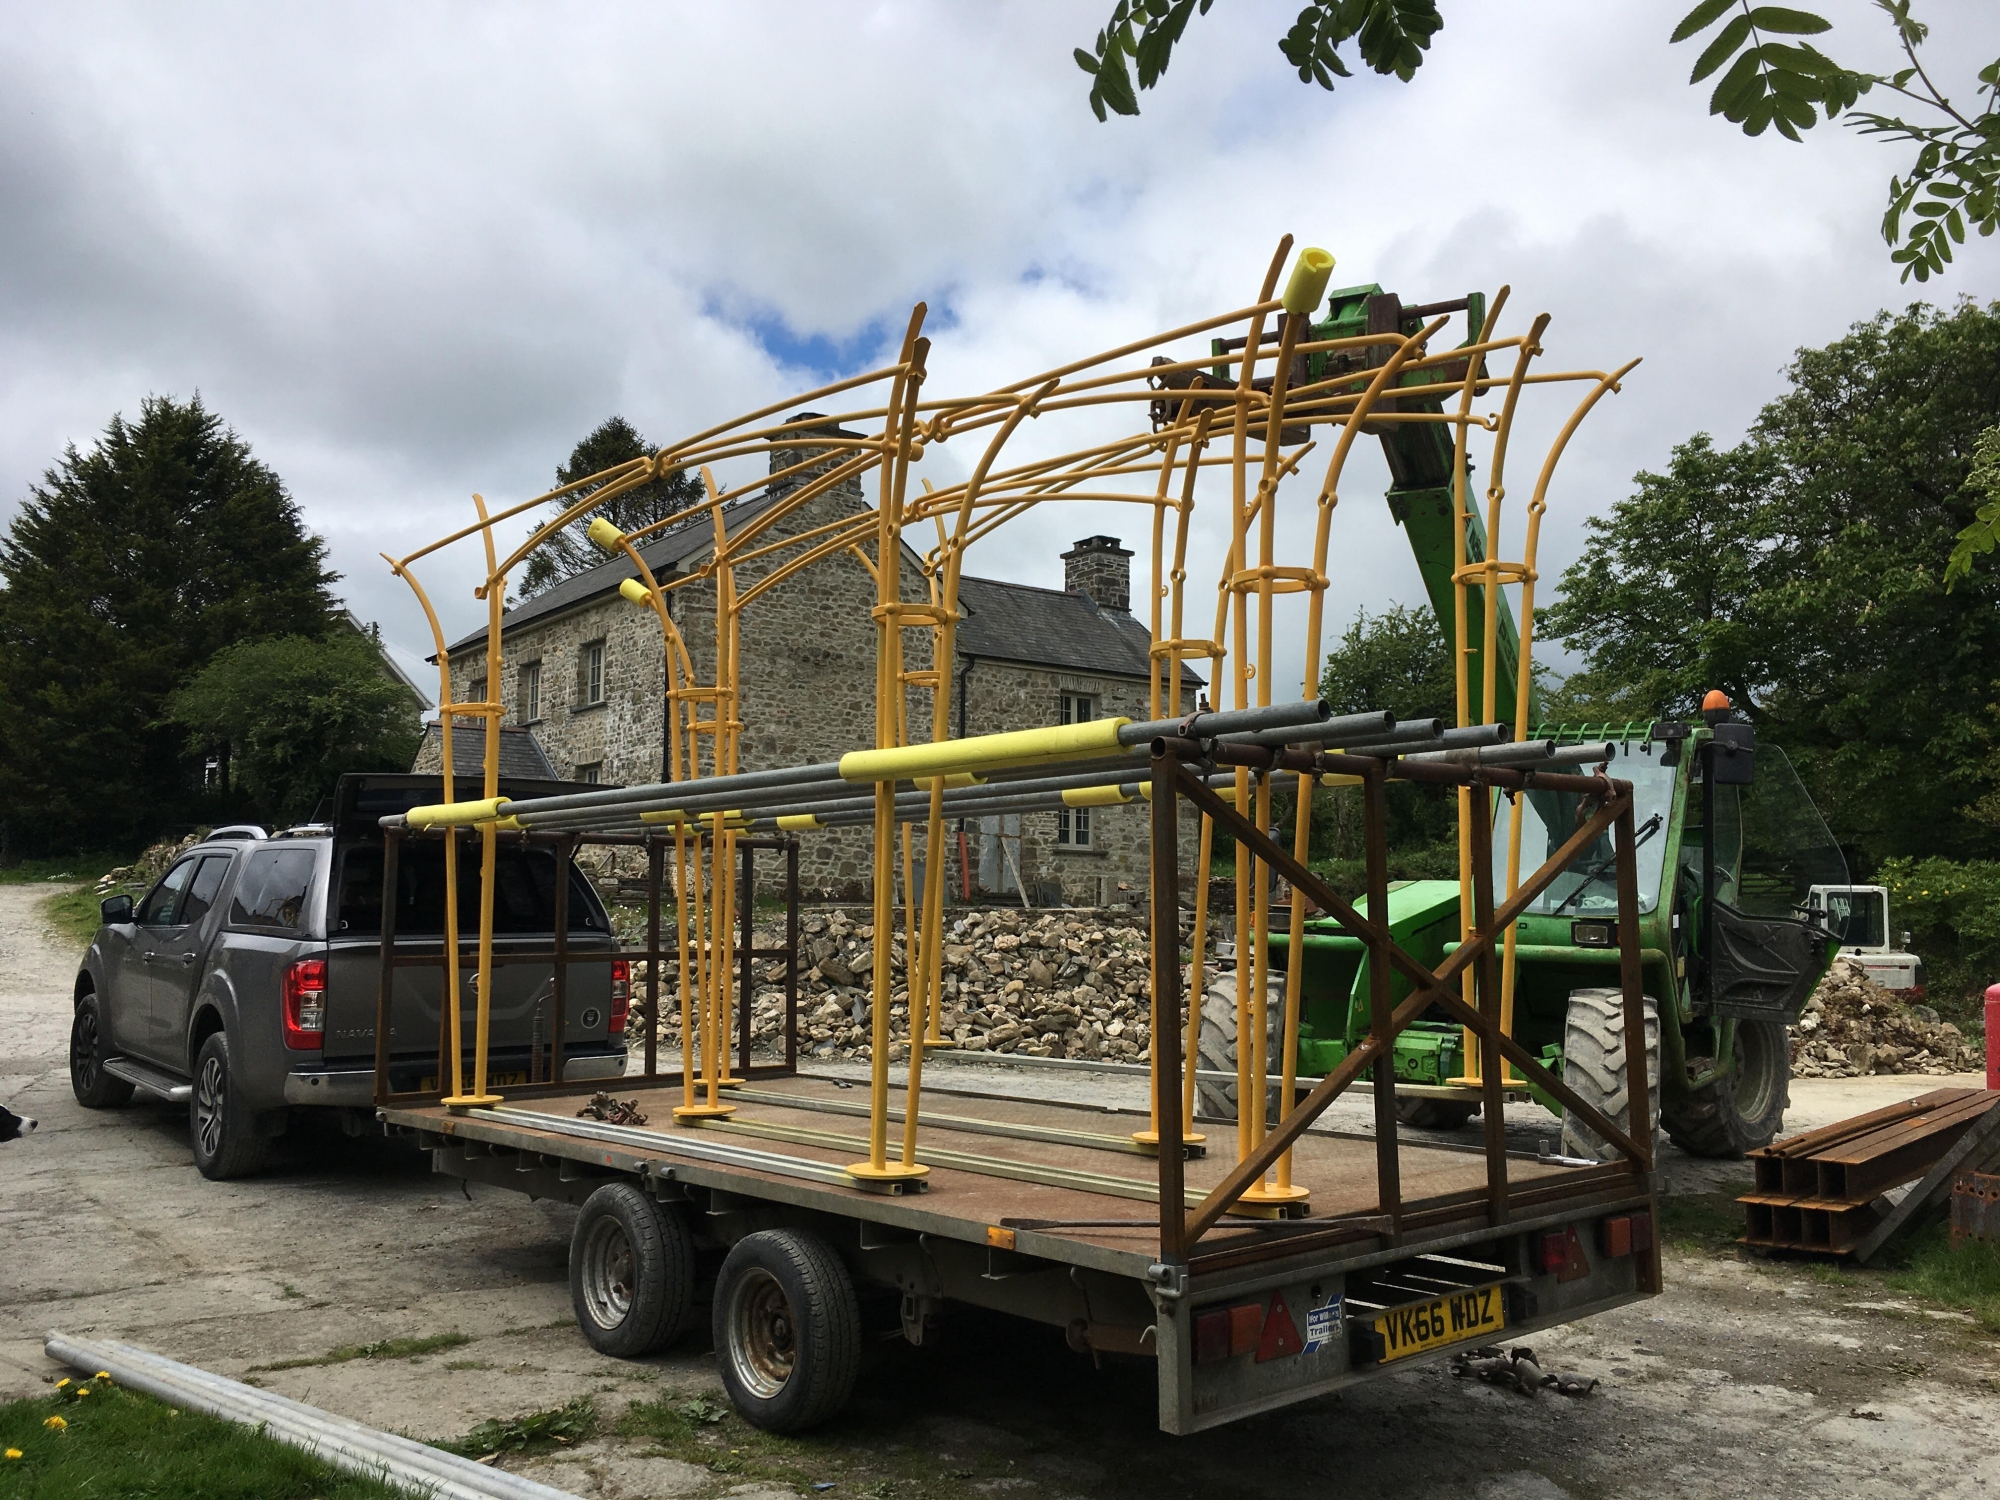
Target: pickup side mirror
115	910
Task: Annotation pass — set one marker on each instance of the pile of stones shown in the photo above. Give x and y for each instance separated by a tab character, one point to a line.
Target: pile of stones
1852	1026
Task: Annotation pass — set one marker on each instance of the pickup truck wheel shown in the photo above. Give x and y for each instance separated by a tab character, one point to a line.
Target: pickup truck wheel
1594	1067
94	1088
787	1329
1742	1111
225	1140
631	1272
1216	1051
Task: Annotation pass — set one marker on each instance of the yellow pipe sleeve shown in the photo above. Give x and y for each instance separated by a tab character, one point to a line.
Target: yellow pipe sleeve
455	814
793	822
605	534
1310	274
634	591
984	752
1094	796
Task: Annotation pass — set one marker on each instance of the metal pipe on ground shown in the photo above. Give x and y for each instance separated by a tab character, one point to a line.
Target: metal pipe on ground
339	1441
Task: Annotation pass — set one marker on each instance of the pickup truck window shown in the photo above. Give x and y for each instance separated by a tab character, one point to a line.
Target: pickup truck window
199	898
272	892
164	900
523	892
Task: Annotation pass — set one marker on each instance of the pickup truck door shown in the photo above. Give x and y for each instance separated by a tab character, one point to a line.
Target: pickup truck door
130	998
178	965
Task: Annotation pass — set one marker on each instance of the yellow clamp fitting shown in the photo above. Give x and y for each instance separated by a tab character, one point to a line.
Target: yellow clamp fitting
671	815
1310	274
635	591
792	822
984	752
605	534
455	814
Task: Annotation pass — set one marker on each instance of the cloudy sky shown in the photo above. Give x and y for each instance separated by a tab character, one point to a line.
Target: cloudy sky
411	251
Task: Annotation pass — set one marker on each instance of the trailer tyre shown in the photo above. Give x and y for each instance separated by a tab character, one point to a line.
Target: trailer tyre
222	1132
787	1329
94	1088
1594	1067
1728	1116
631	1272
1217	1048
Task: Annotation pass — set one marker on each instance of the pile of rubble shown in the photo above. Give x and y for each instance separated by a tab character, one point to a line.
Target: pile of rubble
149	866
1853	1026
1041	984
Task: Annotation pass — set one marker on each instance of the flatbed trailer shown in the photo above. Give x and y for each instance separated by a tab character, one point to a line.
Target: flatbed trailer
1043	1210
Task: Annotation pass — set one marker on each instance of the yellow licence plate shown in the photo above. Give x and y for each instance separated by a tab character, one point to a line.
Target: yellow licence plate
493	1080
1442	1320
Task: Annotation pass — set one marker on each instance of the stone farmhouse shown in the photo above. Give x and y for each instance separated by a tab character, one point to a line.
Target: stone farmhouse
584	674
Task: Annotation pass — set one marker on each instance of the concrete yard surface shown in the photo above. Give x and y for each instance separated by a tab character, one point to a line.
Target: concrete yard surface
1744	1376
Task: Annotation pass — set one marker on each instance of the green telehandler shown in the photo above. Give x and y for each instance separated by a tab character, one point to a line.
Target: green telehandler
1729	848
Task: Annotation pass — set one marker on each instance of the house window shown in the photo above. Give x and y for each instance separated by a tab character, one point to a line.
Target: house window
590	673
591	773
531	692
1073	828
475	691
1078	708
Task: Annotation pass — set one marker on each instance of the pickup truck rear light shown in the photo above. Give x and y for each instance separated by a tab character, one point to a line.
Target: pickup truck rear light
303	1006
621	994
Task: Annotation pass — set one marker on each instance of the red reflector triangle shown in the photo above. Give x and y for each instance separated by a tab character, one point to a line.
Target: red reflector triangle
1281	1334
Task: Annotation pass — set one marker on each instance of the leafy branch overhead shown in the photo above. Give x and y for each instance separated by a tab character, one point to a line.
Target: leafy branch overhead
1766	77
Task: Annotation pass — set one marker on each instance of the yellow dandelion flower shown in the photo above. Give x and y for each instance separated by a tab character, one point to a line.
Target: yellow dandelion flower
56	1424
13	1453
83	1390
61	1384
102	1375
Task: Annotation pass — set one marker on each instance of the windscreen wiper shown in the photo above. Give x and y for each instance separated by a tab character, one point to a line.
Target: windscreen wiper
1646	830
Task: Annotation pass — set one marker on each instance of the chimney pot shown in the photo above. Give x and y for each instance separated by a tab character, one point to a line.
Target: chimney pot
1099	567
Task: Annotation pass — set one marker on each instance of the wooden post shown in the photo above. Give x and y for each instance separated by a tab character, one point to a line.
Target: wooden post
656	859
1486	990
1375	834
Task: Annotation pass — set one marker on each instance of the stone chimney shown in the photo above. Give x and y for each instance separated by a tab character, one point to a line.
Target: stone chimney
1099	567
796	447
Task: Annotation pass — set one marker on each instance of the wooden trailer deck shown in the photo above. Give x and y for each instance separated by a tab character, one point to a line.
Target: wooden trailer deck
1041	1174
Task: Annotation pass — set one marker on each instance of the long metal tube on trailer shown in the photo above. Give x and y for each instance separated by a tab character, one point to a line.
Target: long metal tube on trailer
1469	738
1526	753
1351	729
673	1145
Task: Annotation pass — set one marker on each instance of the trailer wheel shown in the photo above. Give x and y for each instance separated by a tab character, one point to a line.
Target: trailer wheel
1217	1050
1434	1114
787	1329
631	1272
94	1088
1594	1066
1745	1110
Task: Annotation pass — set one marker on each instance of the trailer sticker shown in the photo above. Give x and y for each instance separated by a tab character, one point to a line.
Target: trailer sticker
1322	1325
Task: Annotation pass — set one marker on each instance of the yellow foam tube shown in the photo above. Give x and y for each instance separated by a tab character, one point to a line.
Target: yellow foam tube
605	534
959	778
984	752
793	822
455	814
1310	274
635	591
1094	796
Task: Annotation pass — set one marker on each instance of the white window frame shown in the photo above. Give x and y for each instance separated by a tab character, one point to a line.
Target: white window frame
531	692
591	677
1073	828
1078	708
591	773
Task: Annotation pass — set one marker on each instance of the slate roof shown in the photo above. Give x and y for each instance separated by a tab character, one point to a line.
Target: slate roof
665	552
521	755
1049	628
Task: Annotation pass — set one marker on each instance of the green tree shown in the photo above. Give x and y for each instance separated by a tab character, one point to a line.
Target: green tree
1768	81
297	713
1396	661
570	551
1802	572
126	568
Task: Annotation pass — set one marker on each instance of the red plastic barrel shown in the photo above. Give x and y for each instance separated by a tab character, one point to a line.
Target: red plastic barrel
1992	1030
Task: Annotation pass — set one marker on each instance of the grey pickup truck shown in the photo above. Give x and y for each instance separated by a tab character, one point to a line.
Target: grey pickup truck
245	982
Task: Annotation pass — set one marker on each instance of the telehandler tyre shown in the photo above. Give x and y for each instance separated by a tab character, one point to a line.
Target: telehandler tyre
1217	1100
1594	1067
1730	1115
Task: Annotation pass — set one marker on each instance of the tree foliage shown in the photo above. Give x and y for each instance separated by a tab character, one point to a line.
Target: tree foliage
297	713
615	441
1802	572
1396	661
1952	182
128	567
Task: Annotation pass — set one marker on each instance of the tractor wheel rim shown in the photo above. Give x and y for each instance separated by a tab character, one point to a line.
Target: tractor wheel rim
1757	1069
607	1273
209	1100
763	1338
83	1049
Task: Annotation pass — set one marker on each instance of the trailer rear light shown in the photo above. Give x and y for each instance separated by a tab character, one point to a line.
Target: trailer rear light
302	1004
1561	1254
621	994
1555	1252
1225	1332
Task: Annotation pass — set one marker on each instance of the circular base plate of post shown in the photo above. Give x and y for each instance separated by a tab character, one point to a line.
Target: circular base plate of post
729	1081
1149	1140
1267	1201
703	1111
887	1176
471	1101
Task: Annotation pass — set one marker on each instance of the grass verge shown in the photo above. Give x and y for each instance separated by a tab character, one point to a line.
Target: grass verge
85	867
74	915
380	1349
115	1444
1967	1278
1701	1222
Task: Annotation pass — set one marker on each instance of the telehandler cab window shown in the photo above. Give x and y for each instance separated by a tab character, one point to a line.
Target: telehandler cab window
1589	887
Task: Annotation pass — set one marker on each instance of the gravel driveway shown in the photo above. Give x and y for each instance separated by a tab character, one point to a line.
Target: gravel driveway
1742	1377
